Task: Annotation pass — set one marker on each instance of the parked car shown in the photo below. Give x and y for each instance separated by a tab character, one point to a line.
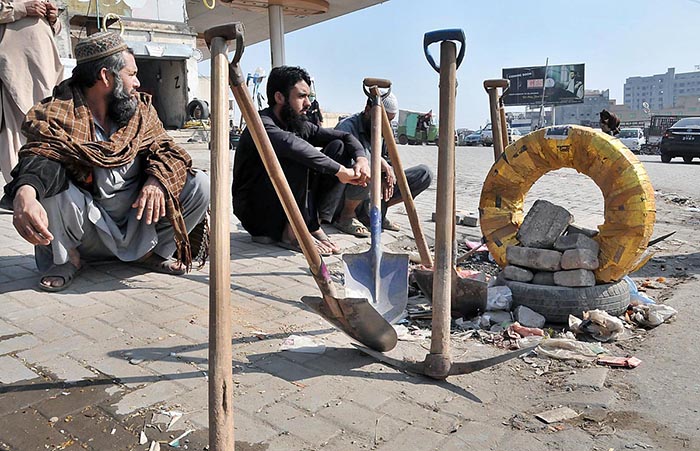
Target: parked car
682	139
513	135
633	138
473	139
487	135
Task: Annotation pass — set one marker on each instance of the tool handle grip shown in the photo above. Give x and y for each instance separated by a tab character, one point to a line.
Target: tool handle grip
378	82
451	34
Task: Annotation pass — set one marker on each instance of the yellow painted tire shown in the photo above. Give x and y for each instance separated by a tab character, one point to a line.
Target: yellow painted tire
630	210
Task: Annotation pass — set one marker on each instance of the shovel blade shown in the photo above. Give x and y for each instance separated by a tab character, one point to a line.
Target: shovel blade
359	320
385	288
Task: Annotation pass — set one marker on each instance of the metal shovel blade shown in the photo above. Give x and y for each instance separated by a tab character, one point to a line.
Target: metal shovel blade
359	320
381	278
468	296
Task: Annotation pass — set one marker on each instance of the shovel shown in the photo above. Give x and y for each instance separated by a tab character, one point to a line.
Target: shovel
437	364
379	276
354	316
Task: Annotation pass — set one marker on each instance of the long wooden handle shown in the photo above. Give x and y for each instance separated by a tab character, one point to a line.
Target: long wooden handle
496	133
274	170
378	82
444	226
221	434
425	257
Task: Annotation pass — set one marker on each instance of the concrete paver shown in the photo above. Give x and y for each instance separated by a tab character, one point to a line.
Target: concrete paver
340	400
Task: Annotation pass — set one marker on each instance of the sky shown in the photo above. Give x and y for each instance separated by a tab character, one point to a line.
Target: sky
615	39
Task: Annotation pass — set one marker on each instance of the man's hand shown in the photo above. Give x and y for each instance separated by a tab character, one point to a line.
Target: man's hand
51	13
388	182
362	171
348	176
151	200
36	8
29	217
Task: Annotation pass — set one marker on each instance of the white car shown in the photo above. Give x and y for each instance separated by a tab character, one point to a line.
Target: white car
633	138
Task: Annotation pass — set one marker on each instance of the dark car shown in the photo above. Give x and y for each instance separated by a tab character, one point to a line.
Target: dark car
682	139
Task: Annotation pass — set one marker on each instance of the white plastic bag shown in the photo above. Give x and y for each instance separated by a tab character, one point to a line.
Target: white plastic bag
499	298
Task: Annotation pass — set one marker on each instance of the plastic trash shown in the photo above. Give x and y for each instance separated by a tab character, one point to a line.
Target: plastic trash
298	343
499	298
599	324
636	297
567	349
525	331
651	315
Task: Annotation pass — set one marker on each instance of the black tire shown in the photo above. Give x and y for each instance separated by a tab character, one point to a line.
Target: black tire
665	158
687	159
557	303
403	139
202	105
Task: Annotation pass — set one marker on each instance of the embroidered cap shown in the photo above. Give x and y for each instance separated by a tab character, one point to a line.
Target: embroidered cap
99	45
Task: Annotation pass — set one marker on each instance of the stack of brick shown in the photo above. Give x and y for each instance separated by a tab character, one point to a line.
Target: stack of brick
552	250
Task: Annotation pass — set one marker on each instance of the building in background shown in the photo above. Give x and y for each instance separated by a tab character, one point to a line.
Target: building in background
586	113
662	91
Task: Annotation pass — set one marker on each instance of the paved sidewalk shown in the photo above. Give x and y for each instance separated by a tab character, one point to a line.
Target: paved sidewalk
85	368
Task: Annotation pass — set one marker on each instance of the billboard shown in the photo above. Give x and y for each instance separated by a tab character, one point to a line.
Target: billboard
562	84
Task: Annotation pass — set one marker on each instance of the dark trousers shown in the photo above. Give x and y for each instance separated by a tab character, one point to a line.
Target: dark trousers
264	215
418	178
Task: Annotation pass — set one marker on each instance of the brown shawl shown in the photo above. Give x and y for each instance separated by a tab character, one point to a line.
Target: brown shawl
61	128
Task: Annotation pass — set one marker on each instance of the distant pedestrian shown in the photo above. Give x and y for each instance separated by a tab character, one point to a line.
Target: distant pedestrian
29	68
609	123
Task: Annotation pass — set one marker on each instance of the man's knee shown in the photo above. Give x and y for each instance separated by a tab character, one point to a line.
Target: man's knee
337	151
197	188
422	177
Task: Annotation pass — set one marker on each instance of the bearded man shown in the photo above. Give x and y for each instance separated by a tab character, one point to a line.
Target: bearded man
99	177
295	141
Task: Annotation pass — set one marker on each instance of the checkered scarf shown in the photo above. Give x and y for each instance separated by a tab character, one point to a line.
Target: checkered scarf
61	128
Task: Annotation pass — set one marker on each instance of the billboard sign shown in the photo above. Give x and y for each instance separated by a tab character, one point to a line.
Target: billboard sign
563	85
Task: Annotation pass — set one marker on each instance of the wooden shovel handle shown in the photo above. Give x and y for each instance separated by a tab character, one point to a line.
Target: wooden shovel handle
425	257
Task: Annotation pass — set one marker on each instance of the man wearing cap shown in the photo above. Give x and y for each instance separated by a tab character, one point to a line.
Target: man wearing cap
350	213
99	177
341	160
29	68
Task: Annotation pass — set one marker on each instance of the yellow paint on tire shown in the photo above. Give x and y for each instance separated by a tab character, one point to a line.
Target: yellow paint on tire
630	210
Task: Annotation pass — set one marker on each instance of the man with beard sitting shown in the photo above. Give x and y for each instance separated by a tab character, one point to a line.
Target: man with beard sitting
99	174
295	141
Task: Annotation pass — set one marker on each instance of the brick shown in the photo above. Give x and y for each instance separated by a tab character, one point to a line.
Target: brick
543	278
575	278
543	224
576	241
30	431
470	221
364	421
534	258
575	228
579	259
12	370
517	273
415	438
307	426
18	343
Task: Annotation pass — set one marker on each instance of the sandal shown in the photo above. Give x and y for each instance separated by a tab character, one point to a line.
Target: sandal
325	240
66	271
351	226
389	225
162	265
294	246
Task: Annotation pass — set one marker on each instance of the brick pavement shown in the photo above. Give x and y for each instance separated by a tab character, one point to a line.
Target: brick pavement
121	342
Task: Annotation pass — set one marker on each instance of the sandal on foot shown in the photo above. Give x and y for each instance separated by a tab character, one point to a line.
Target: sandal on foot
294	246
389	225
66	271
162	265
351	226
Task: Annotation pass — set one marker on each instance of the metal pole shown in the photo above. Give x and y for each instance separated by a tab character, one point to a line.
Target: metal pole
544	82
275	14
220	349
